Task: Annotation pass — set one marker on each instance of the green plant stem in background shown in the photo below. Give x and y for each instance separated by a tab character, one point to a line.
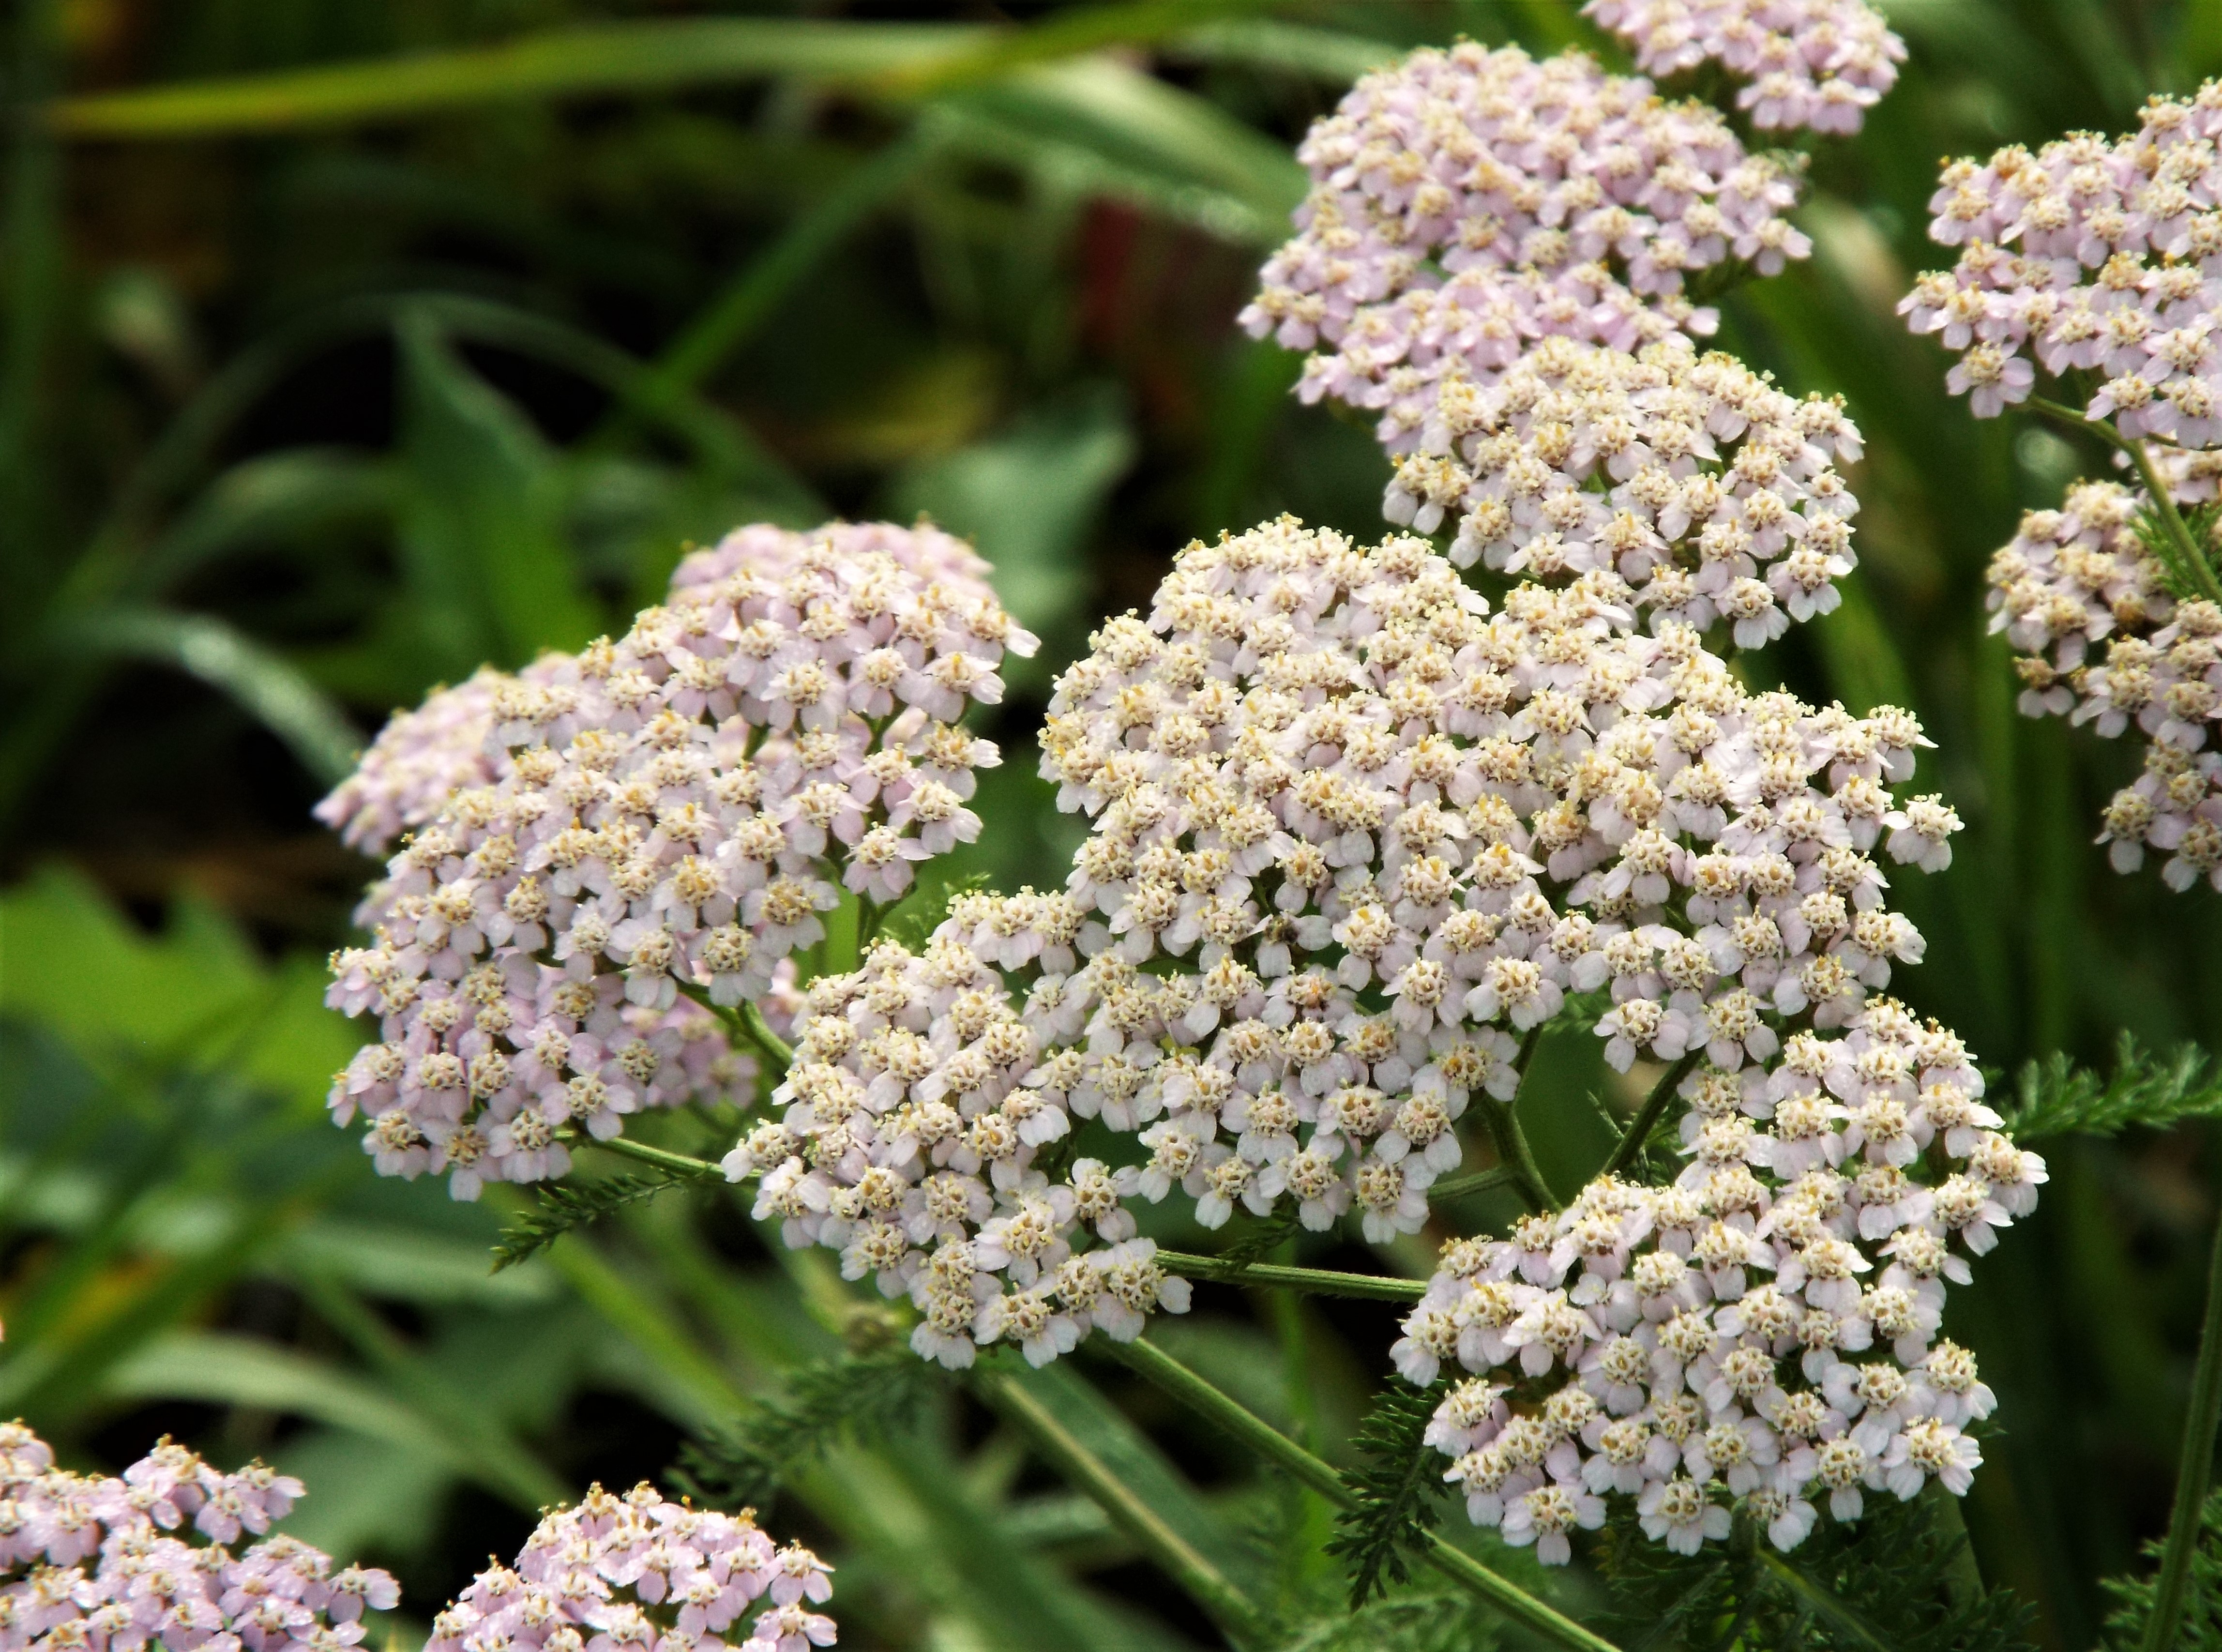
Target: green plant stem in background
1319	1282
1513	1152
1152	1362
1647	1117
1228	1606
2194	1469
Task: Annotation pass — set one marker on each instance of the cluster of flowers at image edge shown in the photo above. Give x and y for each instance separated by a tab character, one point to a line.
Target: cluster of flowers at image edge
2102	260
148	1559
1357	835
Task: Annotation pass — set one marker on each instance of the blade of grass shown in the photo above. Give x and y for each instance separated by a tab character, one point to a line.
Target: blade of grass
1208	1587
267	687
1156	1366
2194	1468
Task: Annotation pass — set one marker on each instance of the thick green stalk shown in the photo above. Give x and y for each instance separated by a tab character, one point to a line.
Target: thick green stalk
1245	1425
1319	1282
2194	1469
1228	1606
1646	1117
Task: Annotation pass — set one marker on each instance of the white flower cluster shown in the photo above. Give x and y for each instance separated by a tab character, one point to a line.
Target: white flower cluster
640	1574
1713	494
1762	1332
109	1564
1466	203
1354	835
1821	64
921	1097
669	813
2120	250
2080	575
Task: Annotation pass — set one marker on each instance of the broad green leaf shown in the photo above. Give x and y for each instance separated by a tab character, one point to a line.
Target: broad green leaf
194	993
265	685
1029	497
285	497
489	571
364	1496
411	1265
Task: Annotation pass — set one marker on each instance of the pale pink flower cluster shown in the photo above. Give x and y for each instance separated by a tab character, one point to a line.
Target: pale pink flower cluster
921	1096
1761	1333
1354	836
2101	259
671	817
643	1572
1821	64
1466	203
2080	575
1710	491
109	1564
420	759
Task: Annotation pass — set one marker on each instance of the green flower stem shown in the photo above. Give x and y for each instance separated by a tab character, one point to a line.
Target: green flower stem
776	1048
1480	1181
1319	1282
2193	1470
1647	1117
677	1163
1245	1425
1210	1587
1513	1153
2190	562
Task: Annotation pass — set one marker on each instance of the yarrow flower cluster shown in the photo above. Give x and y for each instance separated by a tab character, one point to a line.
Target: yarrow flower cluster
643	1572
1821	64
2081	576
1713	493
662	822
112	1564
1466	203
2120	247
922	1117
1760	1333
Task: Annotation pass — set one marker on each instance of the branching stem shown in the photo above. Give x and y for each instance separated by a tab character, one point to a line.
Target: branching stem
677	1163
1245	1425
2189	563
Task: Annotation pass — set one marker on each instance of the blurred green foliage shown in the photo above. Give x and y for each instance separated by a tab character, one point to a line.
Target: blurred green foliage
346	348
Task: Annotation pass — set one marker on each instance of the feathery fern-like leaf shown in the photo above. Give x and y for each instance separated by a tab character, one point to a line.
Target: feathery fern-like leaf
2057	1097
855	1397
1399	1489
2200	1627
560	1206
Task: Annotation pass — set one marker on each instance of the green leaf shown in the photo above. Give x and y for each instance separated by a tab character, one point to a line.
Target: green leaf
858	1397
561	1206
2200	1629
558	63
267	687
489	571
1028	498
1399	1488
410	1263
2057	1097
192	996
